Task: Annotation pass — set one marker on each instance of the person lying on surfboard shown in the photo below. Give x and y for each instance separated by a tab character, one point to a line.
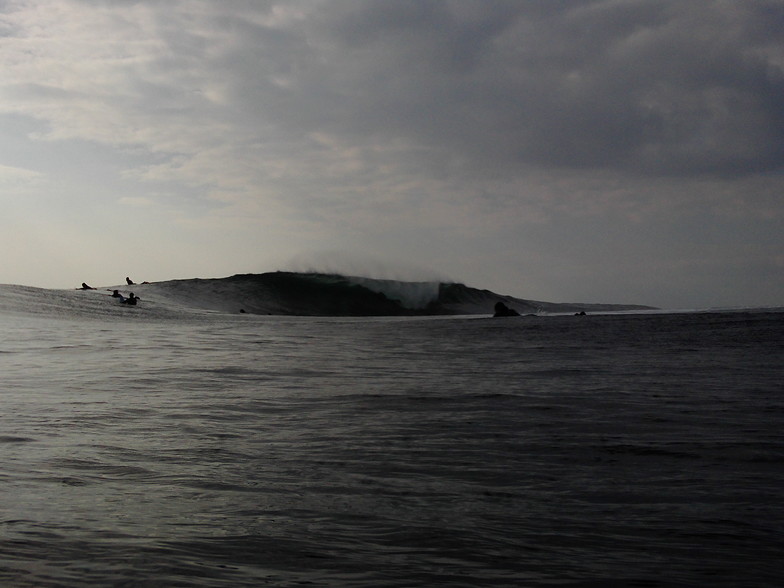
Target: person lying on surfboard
131	299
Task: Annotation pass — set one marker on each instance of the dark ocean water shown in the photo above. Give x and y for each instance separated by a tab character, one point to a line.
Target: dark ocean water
616	450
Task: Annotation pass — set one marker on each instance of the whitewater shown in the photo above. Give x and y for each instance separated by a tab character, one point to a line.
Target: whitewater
185	443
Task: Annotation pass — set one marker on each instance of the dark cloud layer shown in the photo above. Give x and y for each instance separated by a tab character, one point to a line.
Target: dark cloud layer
645	87
648	87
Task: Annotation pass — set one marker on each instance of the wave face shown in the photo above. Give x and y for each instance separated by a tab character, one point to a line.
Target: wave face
283	293
411	295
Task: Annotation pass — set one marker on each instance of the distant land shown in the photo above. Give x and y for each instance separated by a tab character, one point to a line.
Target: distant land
316	294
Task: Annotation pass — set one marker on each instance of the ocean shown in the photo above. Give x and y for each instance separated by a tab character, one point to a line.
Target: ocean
187	448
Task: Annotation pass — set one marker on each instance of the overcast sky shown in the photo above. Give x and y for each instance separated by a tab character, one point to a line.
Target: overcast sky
626	151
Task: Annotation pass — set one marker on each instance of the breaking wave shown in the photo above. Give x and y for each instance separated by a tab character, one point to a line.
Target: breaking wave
281	293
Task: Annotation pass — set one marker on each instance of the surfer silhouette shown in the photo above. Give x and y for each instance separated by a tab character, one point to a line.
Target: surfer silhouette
132	298
86	287
502	309
129	281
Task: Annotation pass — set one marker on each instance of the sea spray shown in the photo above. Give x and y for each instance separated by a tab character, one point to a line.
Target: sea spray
352	264
412	295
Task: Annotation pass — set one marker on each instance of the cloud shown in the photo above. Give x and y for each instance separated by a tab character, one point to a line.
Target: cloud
14	177
643	87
